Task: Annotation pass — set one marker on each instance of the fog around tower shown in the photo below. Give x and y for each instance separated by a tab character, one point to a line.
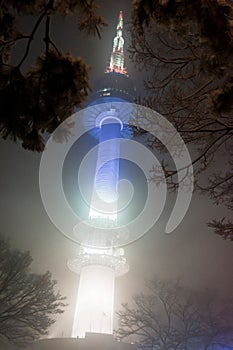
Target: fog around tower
192	254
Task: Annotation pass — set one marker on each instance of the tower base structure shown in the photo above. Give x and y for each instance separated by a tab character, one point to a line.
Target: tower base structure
95	299
92	341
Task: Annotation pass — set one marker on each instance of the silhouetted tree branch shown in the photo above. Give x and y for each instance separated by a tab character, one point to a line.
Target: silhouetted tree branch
36	101
223	228
170	317
28	301
187	49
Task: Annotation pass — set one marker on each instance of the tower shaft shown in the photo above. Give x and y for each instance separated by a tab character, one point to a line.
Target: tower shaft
107	171
94	308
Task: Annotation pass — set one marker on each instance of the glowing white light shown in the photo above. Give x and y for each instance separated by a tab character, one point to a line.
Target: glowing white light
94	308
94	214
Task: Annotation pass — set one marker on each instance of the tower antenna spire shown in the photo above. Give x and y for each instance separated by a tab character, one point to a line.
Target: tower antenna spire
117	55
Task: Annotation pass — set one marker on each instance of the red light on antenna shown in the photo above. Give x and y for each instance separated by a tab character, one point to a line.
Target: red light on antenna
121	15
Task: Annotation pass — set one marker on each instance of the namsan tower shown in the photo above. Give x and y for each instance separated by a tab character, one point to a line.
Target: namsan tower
101	256
100	261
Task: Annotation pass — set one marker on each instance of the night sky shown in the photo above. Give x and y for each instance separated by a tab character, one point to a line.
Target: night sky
192	253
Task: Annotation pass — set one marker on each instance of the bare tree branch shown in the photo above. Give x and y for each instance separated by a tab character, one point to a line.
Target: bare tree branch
28	301
170	317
